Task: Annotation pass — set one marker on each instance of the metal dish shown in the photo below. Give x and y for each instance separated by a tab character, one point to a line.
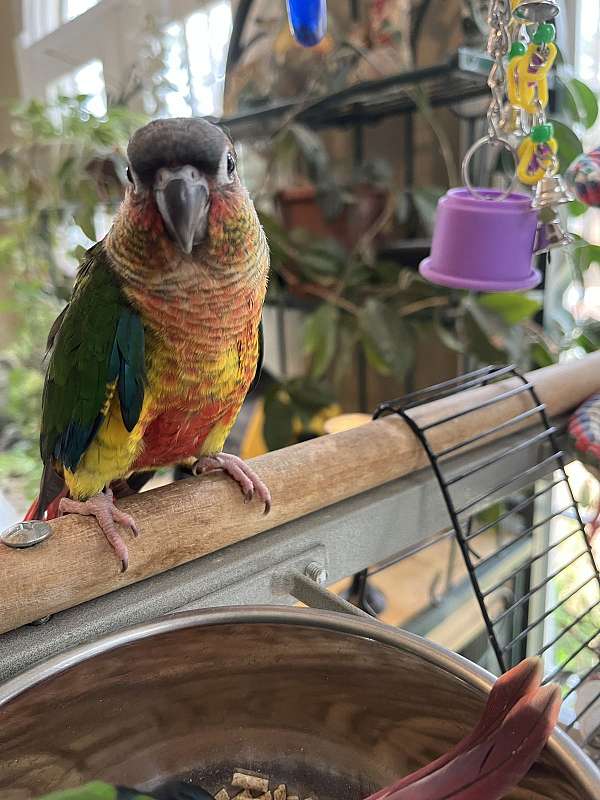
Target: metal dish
333	706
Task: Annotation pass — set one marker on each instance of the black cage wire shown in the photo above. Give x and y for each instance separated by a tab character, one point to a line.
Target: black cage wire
549	602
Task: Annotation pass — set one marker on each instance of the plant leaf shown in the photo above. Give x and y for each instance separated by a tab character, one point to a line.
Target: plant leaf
278	420
479	342
309	394
569	146
577	209
568	100
386	338
84	217
312	149
426	200
512	307
320	337
446	336
541	356
586	100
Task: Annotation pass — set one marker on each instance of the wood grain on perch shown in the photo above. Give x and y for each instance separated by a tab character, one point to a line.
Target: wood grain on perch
189	519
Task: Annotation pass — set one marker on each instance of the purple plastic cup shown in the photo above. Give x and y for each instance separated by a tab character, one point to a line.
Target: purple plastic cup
483	245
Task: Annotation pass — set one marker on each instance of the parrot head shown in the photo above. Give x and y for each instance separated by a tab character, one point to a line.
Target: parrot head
180	169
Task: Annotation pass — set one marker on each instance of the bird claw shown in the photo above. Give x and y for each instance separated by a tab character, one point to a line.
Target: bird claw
107	515
249	482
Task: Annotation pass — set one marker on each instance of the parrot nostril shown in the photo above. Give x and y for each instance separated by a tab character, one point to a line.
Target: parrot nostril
191	173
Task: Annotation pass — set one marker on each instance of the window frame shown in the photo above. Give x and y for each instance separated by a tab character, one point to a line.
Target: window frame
76	42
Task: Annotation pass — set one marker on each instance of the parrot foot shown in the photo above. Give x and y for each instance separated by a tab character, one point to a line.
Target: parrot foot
241	473
102	507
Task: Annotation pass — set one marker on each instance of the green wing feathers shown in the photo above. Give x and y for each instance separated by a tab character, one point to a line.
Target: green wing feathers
99	341
127	366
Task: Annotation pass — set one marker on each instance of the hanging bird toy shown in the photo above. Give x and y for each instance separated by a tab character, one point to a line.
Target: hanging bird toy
583	177
308	20
485	239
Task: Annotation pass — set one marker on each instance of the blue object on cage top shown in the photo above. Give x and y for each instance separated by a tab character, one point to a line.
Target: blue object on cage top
308	20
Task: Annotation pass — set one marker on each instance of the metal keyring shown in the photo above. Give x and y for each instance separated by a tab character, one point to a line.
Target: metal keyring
467	163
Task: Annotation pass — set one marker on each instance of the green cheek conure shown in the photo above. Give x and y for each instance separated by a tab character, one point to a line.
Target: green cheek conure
161	341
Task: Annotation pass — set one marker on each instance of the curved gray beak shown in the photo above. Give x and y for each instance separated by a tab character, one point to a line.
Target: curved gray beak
182	197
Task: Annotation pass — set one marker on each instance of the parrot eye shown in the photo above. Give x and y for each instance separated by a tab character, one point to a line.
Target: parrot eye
230	164
128	173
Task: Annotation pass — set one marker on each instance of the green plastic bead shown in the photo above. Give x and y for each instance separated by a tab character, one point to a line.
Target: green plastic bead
542	133
517	49
545	33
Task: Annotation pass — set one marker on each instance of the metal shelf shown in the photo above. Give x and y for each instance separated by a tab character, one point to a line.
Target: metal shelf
405	252
368	102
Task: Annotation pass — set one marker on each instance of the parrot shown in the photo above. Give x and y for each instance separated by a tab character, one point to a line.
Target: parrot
150	361
583	430
489	762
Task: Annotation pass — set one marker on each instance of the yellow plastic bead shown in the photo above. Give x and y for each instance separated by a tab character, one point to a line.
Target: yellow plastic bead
534	160
526	85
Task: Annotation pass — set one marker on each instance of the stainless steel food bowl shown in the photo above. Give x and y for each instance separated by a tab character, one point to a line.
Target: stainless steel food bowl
334	706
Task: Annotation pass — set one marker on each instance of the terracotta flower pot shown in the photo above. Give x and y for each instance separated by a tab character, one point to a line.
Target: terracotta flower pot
299	208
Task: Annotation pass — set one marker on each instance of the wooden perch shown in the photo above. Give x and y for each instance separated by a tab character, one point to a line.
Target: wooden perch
189	519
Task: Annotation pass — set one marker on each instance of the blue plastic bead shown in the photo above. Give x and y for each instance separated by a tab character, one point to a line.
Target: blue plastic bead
308	20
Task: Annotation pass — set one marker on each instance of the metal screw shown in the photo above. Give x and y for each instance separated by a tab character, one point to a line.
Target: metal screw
316	572
41	621
25	534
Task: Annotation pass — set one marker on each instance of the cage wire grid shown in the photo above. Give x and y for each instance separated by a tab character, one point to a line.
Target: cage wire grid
556	611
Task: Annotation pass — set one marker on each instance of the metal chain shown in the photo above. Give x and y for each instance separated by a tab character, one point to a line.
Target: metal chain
540	118
498	46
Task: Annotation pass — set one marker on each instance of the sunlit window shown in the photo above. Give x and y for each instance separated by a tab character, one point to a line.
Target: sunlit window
196	58
588	41
41	17
73	8
87	79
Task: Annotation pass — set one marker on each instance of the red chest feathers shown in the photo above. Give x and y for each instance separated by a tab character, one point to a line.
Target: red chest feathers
176	434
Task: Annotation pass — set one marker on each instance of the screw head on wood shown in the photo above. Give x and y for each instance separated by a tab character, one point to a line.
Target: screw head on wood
316	572
42	621
25	534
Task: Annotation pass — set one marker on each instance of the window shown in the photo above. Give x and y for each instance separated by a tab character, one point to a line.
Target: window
41	17
89	80
588	41
191	37
73	8
196	58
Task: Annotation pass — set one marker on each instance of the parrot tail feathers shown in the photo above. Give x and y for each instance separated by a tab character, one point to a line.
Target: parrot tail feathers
32	511
52	490
495	765
504	695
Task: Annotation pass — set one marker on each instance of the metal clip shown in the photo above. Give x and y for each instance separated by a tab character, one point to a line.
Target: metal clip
533	11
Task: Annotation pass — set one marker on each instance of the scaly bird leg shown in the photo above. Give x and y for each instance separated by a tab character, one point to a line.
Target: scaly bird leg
249	482
102	507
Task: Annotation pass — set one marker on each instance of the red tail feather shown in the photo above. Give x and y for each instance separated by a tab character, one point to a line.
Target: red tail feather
52	511
496	765
505	694
32	511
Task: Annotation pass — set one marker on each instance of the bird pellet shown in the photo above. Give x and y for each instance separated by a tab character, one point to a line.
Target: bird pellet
253	787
